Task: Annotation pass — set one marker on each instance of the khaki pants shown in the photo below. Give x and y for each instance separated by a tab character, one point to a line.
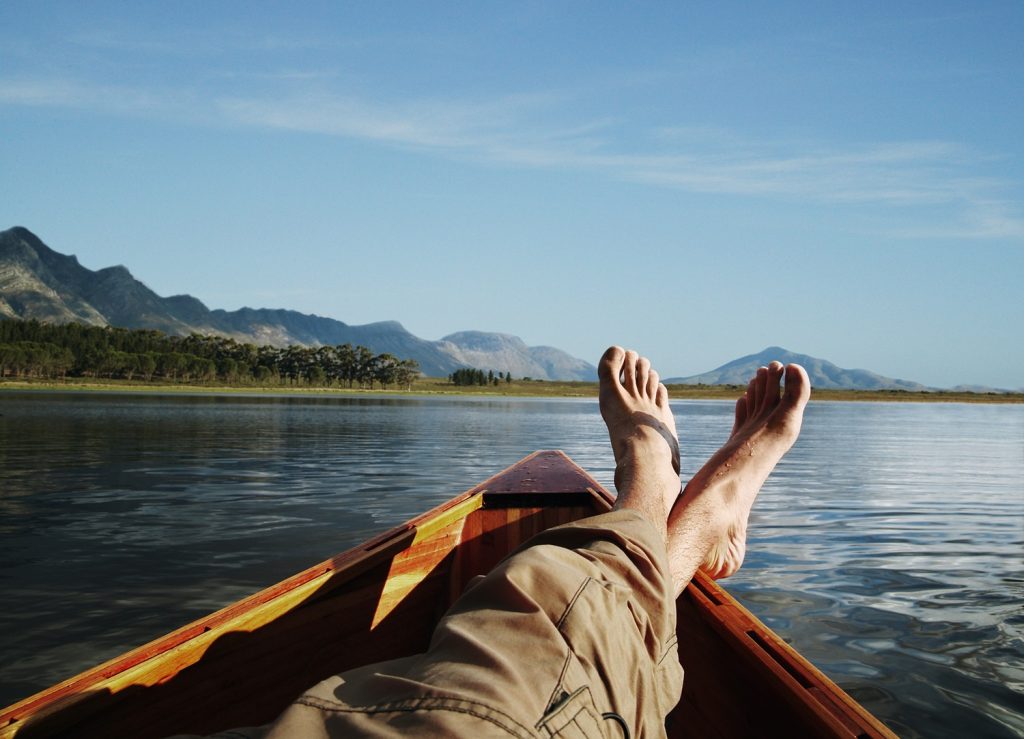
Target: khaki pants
571	636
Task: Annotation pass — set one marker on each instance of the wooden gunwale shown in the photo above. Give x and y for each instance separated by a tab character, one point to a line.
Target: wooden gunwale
544	482
810	691
348	565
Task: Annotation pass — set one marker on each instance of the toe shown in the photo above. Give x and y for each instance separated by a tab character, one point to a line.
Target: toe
771	390
643	374
661	396
750	393
609	368
629	371
741	413
798	386
757	384
653	383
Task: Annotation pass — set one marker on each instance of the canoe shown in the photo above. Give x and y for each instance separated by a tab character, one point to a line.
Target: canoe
243	664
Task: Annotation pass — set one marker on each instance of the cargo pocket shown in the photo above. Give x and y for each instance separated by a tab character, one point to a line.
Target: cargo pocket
573	717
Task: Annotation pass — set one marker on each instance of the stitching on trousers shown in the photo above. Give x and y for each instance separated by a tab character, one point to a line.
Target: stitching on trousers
672	642
582	699
417	704
572	602
558	683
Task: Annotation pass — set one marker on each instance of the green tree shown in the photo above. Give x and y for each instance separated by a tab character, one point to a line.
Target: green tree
344	363
146	364
201	368
34	349
408	370
227	369
364	366
316	376
385	369
170	365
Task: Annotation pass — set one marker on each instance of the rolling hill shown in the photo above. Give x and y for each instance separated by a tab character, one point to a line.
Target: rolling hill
823	374
38	282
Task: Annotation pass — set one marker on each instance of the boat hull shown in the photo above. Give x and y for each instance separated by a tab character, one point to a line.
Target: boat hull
243	664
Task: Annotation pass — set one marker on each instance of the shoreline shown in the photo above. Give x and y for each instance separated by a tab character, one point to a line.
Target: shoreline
515	389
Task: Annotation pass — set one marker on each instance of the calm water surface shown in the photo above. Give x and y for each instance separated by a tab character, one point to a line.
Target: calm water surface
888	546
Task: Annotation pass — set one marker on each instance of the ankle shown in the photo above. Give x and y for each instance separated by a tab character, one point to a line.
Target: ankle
645	445
707	509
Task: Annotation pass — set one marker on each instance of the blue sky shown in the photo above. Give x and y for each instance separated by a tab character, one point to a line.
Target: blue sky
698	182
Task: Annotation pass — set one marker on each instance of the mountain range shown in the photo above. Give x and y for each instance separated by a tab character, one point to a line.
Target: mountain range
823	374
38	282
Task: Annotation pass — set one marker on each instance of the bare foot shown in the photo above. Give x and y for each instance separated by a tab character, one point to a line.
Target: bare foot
634	405
708	524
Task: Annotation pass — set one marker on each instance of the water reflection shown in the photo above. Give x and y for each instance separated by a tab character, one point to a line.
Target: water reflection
911	523
888	546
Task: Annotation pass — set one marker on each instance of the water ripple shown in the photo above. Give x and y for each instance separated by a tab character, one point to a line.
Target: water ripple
888	546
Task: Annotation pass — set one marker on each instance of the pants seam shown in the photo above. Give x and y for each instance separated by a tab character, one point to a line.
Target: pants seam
559	684
572	602
424	704
667	649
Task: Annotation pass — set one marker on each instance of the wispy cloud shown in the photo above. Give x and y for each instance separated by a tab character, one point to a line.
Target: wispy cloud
705	160
190	42
911	173
110	99
979	219
535	131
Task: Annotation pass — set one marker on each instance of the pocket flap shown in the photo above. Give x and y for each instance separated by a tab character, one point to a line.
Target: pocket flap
575	717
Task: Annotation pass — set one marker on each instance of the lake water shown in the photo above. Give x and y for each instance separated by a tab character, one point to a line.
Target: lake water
888	547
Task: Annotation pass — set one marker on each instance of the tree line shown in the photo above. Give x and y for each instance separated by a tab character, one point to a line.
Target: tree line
470	376
35	349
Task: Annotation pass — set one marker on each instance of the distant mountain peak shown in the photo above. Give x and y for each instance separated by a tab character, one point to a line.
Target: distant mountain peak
484	340
118	269
388	326
823	374
38	282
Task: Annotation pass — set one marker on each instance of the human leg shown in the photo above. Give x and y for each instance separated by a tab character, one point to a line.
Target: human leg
575	629
707	525
634	405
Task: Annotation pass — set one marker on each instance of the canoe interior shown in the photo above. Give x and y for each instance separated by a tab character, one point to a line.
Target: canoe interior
242	665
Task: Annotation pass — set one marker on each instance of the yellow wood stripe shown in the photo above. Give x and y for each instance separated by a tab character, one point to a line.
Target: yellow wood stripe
171	662
428	528
434	541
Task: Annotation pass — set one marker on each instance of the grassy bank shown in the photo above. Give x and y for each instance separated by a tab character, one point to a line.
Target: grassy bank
517	388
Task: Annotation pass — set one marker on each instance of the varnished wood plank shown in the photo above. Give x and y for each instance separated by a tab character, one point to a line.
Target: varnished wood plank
541	472
432	550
